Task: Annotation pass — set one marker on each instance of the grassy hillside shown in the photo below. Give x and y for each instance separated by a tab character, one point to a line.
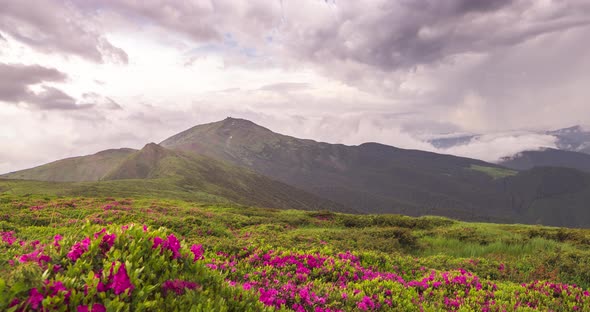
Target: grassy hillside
170	174
548	158
371	177
494	172
376	178
75	169
147	254
241	162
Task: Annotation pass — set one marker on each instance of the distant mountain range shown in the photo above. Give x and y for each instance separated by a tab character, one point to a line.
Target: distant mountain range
572	139
548	157
249	164
572	150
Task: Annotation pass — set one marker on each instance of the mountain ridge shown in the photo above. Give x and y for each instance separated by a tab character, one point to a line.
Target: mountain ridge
200	174
74	169
548	157
377	178
236	158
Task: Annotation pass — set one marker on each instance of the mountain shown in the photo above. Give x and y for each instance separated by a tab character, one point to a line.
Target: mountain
370	177
550	195
377	178
154	167
547	158
238	161
75	169
575	139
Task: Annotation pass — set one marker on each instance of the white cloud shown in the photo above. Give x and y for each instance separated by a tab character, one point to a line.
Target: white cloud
493	147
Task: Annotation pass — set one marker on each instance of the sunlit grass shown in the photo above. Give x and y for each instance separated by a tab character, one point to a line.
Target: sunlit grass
495	173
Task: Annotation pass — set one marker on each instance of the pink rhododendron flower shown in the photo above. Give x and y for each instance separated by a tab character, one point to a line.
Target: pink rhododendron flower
35	256
53	289
8	237
157	242
56	287
35	299
14	302
121	282
177	286
99	233
108	240
174	246
79	249
366	303
171	243
56	239
197	251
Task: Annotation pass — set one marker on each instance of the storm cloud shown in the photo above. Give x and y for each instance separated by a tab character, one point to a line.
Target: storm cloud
28	84
16	81
394	72
57	27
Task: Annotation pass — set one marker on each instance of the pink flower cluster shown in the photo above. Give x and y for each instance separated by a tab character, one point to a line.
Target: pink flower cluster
287	280
177	286
51	289
197	251
35	256
119	282
8	237
171	243
79	249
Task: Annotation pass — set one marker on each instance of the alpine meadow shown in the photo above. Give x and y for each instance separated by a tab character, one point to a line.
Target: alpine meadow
308	156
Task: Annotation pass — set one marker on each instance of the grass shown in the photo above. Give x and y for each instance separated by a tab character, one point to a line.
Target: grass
535	251
506	255
496	173
456	248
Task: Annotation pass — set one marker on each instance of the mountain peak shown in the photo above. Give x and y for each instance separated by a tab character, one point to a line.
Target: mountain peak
228	131
569	130
140	165
151	146
239	123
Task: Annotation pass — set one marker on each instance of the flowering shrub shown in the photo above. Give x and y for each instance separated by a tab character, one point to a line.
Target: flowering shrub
117	269
154	255
314	282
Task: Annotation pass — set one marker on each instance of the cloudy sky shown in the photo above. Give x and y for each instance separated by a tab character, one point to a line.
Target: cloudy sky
80	76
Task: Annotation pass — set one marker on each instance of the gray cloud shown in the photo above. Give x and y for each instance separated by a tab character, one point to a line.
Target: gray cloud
395	35
340	37
198	20
51	98
56	27
422	66
192	18
17	80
